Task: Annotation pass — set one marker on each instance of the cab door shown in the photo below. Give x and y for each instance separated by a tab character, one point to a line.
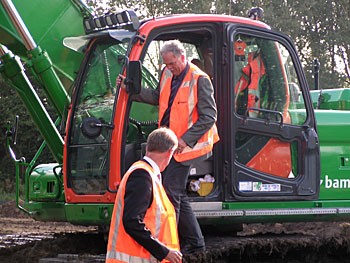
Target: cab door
274	143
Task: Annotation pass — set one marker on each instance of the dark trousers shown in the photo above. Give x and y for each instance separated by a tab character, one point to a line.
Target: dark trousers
174	180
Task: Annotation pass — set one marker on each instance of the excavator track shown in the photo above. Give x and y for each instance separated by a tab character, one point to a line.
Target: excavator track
26	240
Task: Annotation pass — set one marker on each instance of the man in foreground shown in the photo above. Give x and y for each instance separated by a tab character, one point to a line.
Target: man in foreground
143	225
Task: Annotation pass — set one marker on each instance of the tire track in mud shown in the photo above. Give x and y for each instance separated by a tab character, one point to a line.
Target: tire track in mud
23	239
310	242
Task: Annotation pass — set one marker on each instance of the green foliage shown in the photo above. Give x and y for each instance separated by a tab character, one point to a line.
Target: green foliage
8	103
319	29
28	138
6	195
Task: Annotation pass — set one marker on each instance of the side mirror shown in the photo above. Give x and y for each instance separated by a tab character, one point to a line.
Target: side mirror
133	77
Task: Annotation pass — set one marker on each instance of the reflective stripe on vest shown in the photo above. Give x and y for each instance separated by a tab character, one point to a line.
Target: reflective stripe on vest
114	257
160	219
184	112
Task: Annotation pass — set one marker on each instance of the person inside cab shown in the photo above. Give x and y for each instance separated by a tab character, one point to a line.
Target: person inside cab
252	73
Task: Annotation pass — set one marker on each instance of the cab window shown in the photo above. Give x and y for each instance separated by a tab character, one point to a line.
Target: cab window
266	88
266	85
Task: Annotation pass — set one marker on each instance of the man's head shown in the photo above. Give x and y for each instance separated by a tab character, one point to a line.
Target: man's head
174	56
161	144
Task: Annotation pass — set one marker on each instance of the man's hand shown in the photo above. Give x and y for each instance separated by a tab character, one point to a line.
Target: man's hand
120	82
181	146
174	256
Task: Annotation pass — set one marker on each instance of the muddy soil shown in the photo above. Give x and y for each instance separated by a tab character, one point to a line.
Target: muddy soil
25	240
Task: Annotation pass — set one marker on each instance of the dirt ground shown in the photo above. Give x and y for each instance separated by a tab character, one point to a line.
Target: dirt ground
25	240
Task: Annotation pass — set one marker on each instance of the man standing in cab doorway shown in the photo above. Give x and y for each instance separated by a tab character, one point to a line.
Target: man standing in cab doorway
143	225
185	96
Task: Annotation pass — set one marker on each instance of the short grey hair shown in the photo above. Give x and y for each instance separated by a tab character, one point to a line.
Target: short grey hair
161	140
174	46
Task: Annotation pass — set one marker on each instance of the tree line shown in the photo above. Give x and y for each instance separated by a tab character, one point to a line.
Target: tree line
319	29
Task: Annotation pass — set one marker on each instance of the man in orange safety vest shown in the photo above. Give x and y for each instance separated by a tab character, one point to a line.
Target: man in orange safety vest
143	225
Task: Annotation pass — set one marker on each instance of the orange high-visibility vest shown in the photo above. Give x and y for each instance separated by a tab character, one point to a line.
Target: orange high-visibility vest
184	112
251	77
160	219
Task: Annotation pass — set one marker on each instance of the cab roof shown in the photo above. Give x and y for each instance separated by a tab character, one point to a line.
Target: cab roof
148	24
